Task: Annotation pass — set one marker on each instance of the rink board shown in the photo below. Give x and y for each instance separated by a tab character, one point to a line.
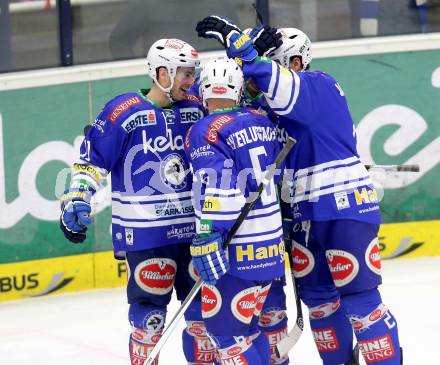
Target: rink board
100	270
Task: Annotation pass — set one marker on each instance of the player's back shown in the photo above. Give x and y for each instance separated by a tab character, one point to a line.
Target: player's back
330	180
228	153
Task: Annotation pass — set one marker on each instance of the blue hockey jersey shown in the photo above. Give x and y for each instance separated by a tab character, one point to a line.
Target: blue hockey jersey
228	151
142	146
329	180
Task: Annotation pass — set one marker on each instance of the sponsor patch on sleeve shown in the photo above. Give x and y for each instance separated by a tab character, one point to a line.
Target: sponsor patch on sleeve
216	126
122	107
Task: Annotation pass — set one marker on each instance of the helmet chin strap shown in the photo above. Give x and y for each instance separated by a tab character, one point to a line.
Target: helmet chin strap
166	90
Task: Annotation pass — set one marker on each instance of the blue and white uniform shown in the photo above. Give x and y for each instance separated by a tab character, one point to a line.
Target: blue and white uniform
229	150
141	144
227	153
153	221
330	181
336	214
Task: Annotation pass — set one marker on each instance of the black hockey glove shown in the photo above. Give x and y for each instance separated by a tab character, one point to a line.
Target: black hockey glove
217	27
237	44
266	39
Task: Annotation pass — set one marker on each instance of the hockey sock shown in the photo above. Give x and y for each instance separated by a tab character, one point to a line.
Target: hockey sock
141	344
147	322
260	342
375	328
197	346
273	323
332	332
237	351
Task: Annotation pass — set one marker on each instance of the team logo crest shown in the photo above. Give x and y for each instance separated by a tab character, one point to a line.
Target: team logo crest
343	266
155	320
372	256
211	301
156	276
173	173
303	261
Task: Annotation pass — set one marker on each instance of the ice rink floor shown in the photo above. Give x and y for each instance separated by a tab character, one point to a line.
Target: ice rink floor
90	328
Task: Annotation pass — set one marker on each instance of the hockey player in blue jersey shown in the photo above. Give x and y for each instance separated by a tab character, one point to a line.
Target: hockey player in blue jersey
138	138
228	151
273	316
334	205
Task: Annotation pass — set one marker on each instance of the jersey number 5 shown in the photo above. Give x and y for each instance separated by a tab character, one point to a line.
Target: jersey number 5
269	195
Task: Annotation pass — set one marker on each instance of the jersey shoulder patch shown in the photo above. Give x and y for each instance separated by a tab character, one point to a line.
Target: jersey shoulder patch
215	126
117	108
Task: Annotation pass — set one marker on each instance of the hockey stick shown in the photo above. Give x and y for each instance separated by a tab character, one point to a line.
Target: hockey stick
284	346
395	168
245	211
259	18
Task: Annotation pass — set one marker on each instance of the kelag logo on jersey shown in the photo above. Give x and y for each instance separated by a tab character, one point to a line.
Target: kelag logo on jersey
140	119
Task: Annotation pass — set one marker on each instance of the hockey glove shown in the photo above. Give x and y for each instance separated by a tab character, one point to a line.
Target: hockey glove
209	258
236	43
75	214
266	39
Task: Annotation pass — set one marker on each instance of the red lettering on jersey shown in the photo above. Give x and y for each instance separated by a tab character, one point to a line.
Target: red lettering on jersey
377	349
156	275
204	351
303	261
343	266
216	126
122	107
187	138
325	339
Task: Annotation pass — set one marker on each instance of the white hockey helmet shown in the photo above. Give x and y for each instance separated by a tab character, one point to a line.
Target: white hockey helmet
221	78
295	43
170	53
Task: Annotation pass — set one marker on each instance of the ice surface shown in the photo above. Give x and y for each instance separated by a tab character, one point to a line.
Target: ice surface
91	328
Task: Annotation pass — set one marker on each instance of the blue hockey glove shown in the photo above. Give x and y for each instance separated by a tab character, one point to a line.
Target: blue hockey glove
266	39
75	214
236	43
209	258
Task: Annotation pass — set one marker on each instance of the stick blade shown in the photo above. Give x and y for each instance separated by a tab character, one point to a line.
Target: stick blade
285	345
